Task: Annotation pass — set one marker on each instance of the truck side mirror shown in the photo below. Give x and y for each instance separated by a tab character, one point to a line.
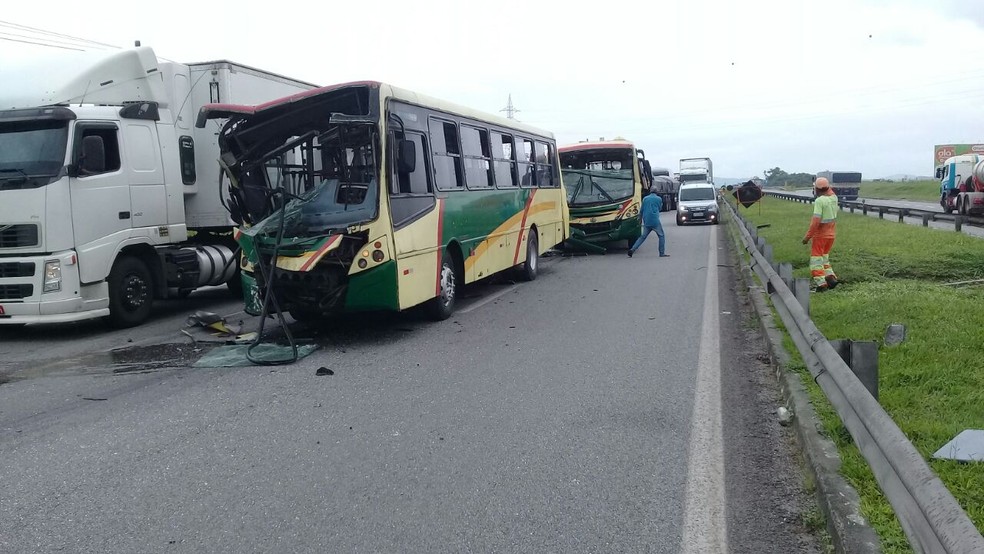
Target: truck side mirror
939	172
93	159
406	156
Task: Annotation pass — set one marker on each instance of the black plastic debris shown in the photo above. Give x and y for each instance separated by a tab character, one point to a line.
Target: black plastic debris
322	371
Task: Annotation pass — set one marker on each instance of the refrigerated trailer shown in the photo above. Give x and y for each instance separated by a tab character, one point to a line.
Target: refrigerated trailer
110	197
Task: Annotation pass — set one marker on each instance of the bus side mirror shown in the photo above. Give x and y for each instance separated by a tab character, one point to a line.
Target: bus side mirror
406	156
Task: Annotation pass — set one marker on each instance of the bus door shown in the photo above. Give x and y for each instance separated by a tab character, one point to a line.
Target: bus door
416	222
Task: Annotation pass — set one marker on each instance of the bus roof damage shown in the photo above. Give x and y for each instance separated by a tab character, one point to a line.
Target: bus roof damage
318	145
303	182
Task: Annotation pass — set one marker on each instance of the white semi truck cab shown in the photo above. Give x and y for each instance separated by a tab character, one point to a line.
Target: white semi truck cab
110	197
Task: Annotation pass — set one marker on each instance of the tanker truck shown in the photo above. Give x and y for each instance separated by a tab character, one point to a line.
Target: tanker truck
109	195
962	184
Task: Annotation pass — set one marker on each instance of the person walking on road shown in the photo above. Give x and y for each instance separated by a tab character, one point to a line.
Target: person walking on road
822	231
652	205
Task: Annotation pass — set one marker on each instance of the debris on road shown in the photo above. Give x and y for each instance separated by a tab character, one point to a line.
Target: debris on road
234	355
322	371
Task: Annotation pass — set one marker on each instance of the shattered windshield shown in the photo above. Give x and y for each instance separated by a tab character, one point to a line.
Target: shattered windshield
598	176
342	163
585	186
29	150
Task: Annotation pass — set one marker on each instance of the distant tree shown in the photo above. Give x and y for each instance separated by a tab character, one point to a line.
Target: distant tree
775	177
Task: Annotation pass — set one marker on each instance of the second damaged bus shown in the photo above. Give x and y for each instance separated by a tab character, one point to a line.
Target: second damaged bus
365	196
605	182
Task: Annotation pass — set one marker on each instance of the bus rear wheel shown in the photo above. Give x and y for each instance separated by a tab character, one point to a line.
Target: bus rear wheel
531	267
442	306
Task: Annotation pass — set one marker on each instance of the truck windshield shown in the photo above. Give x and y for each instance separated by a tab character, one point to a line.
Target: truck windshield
31	152
692	177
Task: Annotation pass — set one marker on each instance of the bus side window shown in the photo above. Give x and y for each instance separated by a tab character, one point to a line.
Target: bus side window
504	154
446	154
418	181
525	164
477	155
544	165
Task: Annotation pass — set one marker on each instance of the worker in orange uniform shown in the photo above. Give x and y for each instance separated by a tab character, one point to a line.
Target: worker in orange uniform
822	232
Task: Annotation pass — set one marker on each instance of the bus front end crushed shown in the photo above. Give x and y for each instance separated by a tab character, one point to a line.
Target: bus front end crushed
593	227
305	191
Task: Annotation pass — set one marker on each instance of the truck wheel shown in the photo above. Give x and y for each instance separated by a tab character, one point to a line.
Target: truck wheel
441	307
531	266
131	293
947	208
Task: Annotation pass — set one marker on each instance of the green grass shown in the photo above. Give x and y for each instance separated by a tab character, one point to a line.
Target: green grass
933	384
919	191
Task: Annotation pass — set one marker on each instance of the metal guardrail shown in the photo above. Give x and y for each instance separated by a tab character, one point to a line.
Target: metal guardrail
865	208
931	517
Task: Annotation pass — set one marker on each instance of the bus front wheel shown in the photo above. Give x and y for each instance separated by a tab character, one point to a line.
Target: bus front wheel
441	307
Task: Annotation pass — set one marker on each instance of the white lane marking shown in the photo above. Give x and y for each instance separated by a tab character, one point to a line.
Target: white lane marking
486	300
704	523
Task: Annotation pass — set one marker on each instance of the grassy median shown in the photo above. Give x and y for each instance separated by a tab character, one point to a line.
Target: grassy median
932	384
916	191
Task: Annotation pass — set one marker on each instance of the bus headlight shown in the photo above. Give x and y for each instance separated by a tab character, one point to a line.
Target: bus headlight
52	276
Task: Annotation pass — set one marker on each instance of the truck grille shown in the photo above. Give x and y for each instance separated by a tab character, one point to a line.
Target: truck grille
16	269
17	236
15	292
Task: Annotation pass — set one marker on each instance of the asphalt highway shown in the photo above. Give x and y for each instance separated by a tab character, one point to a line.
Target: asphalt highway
615	404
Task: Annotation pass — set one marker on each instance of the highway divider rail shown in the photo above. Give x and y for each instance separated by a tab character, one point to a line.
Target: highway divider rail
930	516
865	208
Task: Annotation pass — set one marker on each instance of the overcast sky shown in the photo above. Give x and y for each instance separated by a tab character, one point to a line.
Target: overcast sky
865	85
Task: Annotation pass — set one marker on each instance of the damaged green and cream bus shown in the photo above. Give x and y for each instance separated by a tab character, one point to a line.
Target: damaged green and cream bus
364	196
605	182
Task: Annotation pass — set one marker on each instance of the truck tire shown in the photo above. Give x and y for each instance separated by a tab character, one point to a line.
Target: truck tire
441	307
947	209
131	292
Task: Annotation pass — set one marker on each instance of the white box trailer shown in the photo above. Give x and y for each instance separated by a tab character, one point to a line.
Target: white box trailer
109	195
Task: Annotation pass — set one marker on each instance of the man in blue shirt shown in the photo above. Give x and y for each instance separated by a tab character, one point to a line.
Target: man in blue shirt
651	206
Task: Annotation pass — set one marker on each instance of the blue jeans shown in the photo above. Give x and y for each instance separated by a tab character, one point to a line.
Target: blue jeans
645	233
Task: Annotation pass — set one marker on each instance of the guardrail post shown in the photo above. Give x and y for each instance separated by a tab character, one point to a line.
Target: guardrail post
864	209
760	244
881	213
862	357
767	252
926	218
902	214
786	274
957	223
801	288
852	208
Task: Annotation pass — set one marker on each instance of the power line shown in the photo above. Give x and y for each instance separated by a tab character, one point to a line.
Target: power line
48	41
42	44
52	33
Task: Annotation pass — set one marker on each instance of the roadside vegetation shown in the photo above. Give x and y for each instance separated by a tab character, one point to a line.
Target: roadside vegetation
933	383
916	191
